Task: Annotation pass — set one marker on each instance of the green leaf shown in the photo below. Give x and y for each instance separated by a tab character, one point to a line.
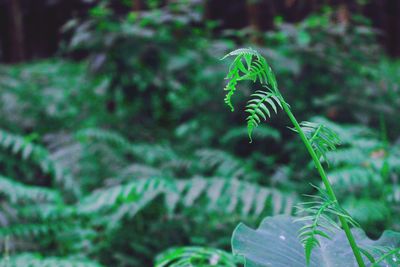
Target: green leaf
195	256
257	69
36	260
275	244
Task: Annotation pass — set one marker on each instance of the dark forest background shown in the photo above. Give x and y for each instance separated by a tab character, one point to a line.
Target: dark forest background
32	29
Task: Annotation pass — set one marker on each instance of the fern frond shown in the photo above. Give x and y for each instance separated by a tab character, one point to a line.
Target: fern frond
351	156
257	107
111	137
36	260
233	77
235	196
32	230
195	256
242	52
223	164
349	134
46	213
247	65
212	195
389	256
353	178
40	156
31	211
17	192
320	224
140	170
140	192
378	255
256	71
321	138
149	153
367	211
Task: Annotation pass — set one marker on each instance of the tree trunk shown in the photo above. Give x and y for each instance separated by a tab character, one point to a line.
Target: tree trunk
137	5
393	29
260	16
17	51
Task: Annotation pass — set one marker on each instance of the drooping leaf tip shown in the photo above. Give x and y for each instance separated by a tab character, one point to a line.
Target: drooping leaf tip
250	131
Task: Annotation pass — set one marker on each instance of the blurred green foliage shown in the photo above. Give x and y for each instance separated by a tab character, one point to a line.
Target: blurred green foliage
129	152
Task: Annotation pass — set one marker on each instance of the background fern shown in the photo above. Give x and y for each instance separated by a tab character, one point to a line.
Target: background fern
185	256
39	155
120	200
37	260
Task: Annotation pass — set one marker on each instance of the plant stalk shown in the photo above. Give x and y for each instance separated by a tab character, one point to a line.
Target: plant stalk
321	171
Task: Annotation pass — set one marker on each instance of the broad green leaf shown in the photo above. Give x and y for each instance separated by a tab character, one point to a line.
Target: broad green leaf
275	244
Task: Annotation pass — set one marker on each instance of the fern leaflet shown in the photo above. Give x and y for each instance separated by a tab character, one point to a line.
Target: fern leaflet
36	260
322	138
257	107
39	155
195	256
17	192
393	255
320	223
214	194
379	255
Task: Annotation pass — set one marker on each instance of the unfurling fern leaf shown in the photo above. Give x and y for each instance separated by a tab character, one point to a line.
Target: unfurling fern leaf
320	224
250	65
257	108
233	77
322	138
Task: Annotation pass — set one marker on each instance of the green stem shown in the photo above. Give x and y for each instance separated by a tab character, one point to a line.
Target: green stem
321	171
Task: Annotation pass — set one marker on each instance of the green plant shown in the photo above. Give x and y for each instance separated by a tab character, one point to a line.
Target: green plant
41	216
157	81
195	256
39	155
36	260
248	64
